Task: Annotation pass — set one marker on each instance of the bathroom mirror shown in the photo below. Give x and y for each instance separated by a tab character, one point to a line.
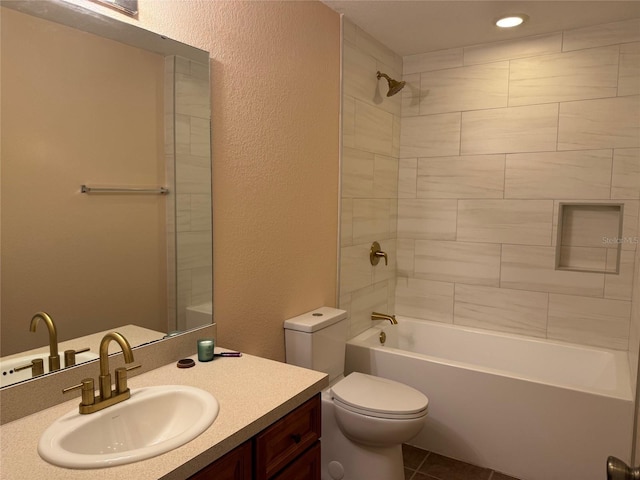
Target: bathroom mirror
90	100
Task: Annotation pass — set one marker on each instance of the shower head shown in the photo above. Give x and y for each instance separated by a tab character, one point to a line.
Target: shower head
394	85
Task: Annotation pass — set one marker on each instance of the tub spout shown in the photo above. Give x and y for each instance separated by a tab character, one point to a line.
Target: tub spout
384	316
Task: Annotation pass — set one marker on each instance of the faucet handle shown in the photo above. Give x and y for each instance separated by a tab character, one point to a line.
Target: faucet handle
36	366
88	391
70	356
121	378
375	253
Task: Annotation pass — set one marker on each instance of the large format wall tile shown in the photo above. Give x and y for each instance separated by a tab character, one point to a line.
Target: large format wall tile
591	321
373	298
533	268
355	269
599	35
465	88
430	135
437	60
407	177
625	181
349	31
524	47
583	174
427	219
602	123
629	76
348	121
507	130
373	129
526	222
405	251
346	222
359	74
376	49
385	177
472	176
591	73
367	175
471	263
513	311
412	95
620	286
424	299
357	173
371	220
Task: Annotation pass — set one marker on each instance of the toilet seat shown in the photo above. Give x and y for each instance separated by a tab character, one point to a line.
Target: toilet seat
379	397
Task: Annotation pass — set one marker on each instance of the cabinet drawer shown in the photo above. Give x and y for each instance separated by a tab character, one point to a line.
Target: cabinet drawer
307	467
283	441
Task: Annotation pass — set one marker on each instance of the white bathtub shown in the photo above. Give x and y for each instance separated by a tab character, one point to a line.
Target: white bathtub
534	409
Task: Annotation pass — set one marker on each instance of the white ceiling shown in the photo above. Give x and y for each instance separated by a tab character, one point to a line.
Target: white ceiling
410	27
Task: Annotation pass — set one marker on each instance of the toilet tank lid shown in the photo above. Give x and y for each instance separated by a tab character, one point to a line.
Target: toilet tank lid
315	319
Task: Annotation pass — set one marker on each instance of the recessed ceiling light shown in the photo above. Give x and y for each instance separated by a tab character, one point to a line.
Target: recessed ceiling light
511	21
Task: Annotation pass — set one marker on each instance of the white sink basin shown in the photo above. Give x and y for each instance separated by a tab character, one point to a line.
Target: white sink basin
8	376
153	421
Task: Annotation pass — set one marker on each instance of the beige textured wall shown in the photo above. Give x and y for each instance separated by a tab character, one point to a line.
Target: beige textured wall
275	119
493	137
93	263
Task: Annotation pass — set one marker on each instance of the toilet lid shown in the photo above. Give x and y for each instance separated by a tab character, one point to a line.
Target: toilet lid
367	393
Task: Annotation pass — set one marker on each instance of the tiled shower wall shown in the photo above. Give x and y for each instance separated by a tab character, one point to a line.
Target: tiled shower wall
371	134
493	137
189	167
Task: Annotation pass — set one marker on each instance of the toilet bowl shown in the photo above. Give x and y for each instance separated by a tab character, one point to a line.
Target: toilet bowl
365	419
376	411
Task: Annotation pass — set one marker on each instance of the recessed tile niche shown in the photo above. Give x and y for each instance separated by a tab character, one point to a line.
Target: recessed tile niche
589	237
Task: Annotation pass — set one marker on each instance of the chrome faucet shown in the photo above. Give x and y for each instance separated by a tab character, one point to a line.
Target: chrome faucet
384	316
54	358
107	397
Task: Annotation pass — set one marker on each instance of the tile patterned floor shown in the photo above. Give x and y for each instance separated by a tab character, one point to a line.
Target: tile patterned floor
422	465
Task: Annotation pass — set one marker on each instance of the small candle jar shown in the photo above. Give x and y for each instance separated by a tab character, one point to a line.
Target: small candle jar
205	349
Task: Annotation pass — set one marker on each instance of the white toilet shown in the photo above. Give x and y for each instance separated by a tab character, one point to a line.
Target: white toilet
365	419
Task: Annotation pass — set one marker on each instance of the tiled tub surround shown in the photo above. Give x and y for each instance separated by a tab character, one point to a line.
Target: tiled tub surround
493	138
371	139
534	409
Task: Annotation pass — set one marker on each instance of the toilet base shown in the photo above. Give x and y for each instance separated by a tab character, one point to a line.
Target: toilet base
343	459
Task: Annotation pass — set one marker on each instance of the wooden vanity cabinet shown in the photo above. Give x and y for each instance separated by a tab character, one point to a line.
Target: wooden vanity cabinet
289	449
235	465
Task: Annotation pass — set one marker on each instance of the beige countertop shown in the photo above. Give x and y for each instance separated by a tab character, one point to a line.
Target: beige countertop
253	392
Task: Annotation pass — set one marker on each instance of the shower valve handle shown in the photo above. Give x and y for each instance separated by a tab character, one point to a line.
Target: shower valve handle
375	253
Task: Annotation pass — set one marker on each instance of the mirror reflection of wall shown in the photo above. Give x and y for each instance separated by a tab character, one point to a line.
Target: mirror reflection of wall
81	109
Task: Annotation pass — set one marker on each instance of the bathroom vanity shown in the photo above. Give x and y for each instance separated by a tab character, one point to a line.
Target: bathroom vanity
287	450
267	428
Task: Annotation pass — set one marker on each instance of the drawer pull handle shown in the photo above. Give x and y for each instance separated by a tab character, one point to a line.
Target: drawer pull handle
296	437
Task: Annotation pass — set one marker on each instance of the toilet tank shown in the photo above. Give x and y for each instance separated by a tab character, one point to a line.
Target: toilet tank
317	340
